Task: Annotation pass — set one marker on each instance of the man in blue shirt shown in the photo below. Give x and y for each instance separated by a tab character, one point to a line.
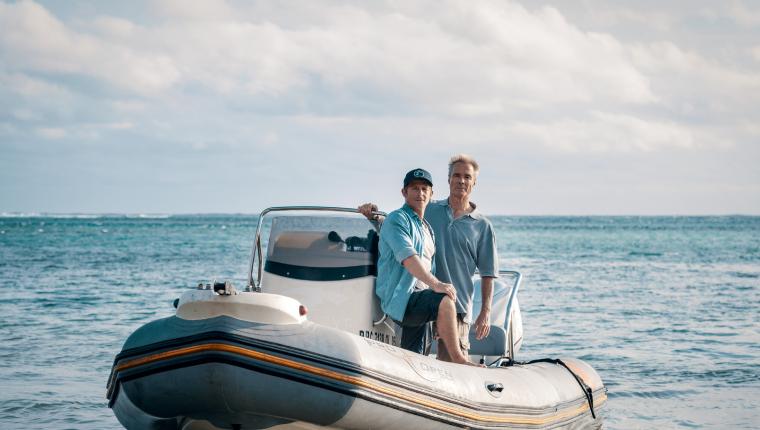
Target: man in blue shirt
465	241
408	291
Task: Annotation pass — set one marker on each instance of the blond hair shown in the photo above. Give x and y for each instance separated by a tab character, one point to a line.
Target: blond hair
463	158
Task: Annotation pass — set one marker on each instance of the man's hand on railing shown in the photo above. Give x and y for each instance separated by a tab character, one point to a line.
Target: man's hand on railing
367	210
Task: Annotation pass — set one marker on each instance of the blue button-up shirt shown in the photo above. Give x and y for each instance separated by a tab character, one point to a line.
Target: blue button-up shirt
401	237
462	245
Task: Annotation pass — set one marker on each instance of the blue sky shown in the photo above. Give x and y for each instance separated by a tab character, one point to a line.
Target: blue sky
571	107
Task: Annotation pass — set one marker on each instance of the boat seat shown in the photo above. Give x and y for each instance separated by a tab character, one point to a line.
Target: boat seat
495	344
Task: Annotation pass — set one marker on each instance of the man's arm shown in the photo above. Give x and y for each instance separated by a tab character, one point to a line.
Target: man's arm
483	322
366	209
488	265
414	266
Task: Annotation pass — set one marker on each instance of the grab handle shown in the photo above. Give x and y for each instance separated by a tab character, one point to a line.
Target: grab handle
498	387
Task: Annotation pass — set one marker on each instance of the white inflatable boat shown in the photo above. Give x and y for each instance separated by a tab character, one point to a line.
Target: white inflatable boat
305	346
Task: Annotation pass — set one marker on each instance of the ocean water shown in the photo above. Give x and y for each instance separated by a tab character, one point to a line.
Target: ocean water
665	308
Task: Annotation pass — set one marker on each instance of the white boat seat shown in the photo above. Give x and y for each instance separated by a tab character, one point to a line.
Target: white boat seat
495	344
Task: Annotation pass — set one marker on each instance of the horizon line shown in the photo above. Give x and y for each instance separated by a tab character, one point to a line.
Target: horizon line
41	214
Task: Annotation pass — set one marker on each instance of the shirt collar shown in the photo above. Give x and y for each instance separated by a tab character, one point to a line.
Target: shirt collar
475	214
408	209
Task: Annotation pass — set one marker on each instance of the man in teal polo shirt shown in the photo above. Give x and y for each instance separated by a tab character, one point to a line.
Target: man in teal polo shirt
465	241
408	291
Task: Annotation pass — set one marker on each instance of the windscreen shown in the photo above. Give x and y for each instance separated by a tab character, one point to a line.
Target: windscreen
320	247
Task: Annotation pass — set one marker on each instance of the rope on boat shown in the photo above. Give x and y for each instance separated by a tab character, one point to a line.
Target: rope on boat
586	389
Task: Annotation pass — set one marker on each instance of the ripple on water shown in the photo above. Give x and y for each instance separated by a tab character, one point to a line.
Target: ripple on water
652	394
722	374
745	275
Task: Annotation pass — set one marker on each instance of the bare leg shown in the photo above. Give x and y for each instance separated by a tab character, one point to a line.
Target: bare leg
443	354
447	330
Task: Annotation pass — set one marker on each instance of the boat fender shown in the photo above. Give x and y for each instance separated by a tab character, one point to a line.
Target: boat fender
586	389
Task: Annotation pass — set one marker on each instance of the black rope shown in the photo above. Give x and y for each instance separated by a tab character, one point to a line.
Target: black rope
586	389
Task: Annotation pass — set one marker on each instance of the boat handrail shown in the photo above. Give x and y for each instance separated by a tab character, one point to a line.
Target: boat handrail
257	239
510	303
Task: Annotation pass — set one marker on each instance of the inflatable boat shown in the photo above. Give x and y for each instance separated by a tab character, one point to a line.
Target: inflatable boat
305	345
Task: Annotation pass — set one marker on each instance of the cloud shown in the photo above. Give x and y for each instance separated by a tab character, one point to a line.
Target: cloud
36	41
266	84
207	10
491	62
687	78
606	15
743	15
605	132
430	56
755	52
28	86
52	133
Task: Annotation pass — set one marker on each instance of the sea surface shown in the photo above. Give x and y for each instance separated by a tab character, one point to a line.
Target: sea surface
665	308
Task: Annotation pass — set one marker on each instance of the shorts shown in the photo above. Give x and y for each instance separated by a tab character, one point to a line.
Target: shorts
463	333
422	308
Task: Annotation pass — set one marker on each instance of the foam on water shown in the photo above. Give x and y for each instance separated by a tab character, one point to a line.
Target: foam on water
665	308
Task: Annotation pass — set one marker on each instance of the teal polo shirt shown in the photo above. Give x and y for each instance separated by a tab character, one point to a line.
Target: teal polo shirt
461	246
400	237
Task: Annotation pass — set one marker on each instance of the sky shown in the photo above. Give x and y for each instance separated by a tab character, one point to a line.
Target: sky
571	107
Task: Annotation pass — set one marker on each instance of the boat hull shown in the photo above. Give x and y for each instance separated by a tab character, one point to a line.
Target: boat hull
225	373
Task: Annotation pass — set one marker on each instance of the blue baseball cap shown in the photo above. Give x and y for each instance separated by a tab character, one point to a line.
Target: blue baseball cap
418	174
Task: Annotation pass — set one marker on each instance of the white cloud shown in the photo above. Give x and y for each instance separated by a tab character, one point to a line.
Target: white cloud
269	139
435	56
7	129
127	106
35	40
755	52
201	11
605	132
114	28
752	129
687	76
744	15
125	125
614	15
491	60
52	133
33	87
25	115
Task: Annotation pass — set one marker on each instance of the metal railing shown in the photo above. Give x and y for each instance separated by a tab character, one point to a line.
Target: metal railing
256	252
510	304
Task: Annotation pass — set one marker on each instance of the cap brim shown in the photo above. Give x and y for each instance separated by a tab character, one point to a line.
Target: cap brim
406	184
